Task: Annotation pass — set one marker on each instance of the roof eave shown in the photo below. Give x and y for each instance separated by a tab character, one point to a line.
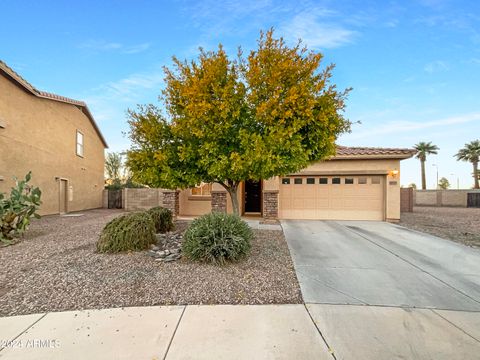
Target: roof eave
372	157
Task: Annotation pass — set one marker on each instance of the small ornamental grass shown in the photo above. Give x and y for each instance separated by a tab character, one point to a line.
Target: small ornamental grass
134	231
217	238
162	218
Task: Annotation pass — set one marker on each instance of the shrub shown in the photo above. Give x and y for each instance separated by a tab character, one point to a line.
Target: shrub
217	238
162	218
17	210
134	231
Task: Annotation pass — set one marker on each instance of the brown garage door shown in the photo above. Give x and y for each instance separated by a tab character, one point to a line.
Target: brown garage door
332	197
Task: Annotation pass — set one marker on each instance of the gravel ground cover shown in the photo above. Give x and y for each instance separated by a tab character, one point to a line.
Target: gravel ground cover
55	268
458	224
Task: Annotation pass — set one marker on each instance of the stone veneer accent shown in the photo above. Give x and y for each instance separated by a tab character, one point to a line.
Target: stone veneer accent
270	204
171	201
219	201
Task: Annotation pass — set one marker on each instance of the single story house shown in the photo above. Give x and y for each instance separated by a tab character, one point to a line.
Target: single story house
54	137
358	183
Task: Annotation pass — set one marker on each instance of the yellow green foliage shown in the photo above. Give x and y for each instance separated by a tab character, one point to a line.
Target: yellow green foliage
253	117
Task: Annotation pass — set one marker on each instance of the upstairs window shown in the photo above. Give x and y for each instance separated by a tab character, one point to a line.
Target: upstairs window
79	143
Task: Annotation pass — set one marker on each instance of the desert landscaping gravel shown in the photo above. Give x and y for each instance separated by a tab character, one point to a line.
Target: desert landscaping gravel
55	268
458	224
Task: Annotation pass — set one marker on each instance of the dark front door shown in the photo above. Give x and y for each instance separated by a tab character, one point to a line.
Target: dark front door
253	196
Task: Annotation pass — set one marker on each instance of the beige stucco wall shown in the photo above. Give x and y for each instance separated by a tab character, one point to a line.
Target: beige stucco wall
40	135
193	206
200	205
425	197
456	198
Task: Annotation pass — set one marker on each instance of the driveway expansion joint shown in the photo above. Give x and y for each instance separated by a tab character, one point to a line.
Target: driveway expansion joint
455	325
174	332
28	328
330	350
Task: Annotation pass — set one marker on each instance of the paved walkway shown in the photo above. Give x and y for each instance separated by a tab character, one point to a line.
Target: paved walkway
313	331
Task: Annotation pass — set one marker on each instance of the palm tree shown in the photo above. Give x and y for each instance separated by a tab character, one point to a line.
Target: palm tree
471	153
424	149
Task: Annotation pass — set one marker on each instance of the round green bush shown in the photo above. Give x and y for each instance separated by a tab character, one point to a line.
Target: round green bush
162	218
134	231
217	238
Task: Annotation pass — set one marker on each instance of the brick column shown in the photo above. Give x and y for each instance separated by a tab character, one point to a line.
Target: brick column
171	201
219	201
270	204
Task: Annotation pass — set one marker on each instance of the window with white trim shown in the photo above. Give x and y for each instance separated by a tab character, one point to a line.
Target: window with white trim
79	143
202	190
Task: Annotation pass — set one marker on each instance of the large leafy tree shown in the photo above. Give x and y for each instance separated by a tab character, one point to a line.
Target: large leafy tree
471	153
423	150
113	165
228	120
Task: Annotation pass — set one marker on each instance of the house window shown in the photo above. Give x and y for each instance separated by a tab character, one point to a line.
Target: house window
375	180
362	180
202	190
79	143
348	181
336	181
298	181
310	180
323	181
286	181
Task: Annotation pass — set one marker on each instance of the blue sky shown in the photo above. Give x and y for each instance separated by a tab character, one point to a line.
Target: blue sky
414	65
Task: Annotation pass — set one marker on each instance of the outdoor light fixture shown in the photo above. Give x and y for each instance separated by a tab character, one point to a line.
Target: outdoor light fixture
393	173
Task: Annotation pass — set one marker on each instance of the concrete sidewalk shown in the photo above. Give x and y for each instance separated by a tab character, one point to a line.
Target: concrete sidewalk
314	331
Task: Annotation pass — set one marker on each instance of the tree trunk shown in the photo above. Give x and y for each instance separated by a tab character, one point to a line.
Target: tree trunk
475	175
424	181
234	198
232	189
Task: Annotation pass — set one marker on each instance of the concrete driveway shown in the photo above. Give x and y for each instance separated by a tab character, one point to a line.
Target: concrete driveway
377	290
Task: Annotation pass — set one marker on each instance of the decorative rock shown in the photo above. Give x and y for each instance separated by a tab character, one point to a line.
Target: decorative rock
172	257
168	247
152	254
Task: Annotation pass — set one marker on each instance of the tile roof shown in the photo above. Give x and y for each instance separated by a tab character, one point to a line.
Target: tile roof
43	94
345	151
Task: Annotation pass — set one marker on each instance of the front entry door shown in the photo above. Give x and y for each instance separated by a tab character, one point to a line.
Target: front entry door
253	196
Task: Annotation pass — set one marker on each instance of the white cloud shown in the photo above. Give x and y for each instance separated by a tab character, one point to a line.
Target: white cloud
316	30
136	48
397	127
101	45
436	66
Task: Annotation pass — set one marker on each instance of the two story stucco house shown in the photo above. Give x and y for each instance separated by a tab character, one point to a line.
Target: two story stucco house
358	183
54	137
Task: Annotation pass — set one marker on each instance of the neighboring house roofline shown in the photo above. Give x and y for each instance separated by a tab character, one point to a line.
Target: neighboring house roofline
15	77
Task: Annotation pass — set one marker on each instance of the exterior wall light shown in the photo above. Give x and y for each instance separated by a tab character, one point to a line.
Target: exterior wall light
393	173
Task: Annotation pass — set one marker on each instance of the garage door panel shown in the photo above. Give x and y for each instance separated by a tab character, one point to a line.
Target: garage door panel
333	201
